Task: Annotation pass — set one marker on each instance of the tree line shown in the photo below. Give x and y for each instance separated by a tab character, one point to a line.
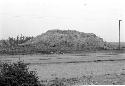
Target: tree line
11	41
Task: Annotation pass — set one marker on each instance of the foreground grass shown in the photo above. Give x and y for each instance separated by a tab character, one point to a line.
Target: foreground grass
17	74
107	79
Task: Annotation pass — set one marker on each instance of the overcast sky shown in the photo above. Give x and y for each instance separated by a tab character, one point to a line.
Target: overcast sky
33	17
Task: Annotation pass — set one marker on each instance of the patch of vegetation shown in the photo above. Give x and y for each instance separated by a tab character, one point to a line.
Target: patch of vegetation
110	79
17	74
84	80
13	42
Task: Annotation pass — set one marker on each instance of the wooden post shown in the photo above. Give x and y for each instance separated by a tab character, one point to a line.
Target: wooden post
119	33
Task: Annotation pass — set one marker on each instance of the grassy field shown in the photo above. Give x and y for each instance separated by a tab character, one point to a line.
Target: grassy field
104	67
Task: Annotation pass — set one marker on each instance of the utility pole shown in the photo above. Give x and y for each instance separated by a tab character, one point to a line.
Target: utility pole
119	33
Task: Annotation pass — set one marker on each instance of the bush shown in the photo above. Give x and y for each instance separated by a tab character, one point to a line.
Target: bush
17	74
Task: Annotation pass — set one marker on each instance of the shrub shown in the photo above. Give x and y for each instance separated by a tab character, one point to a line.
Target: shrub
17	74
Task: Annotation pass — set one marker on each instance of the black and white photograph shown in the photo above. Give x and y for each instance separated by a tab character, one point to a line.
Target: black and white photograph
62	42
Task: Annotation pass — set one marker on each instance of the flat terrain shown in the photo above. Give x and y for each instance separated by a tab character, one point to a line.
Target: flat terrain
73	65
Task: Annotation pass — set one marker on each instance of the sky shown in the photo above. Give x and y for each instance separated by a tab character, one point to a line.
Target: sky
34	17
